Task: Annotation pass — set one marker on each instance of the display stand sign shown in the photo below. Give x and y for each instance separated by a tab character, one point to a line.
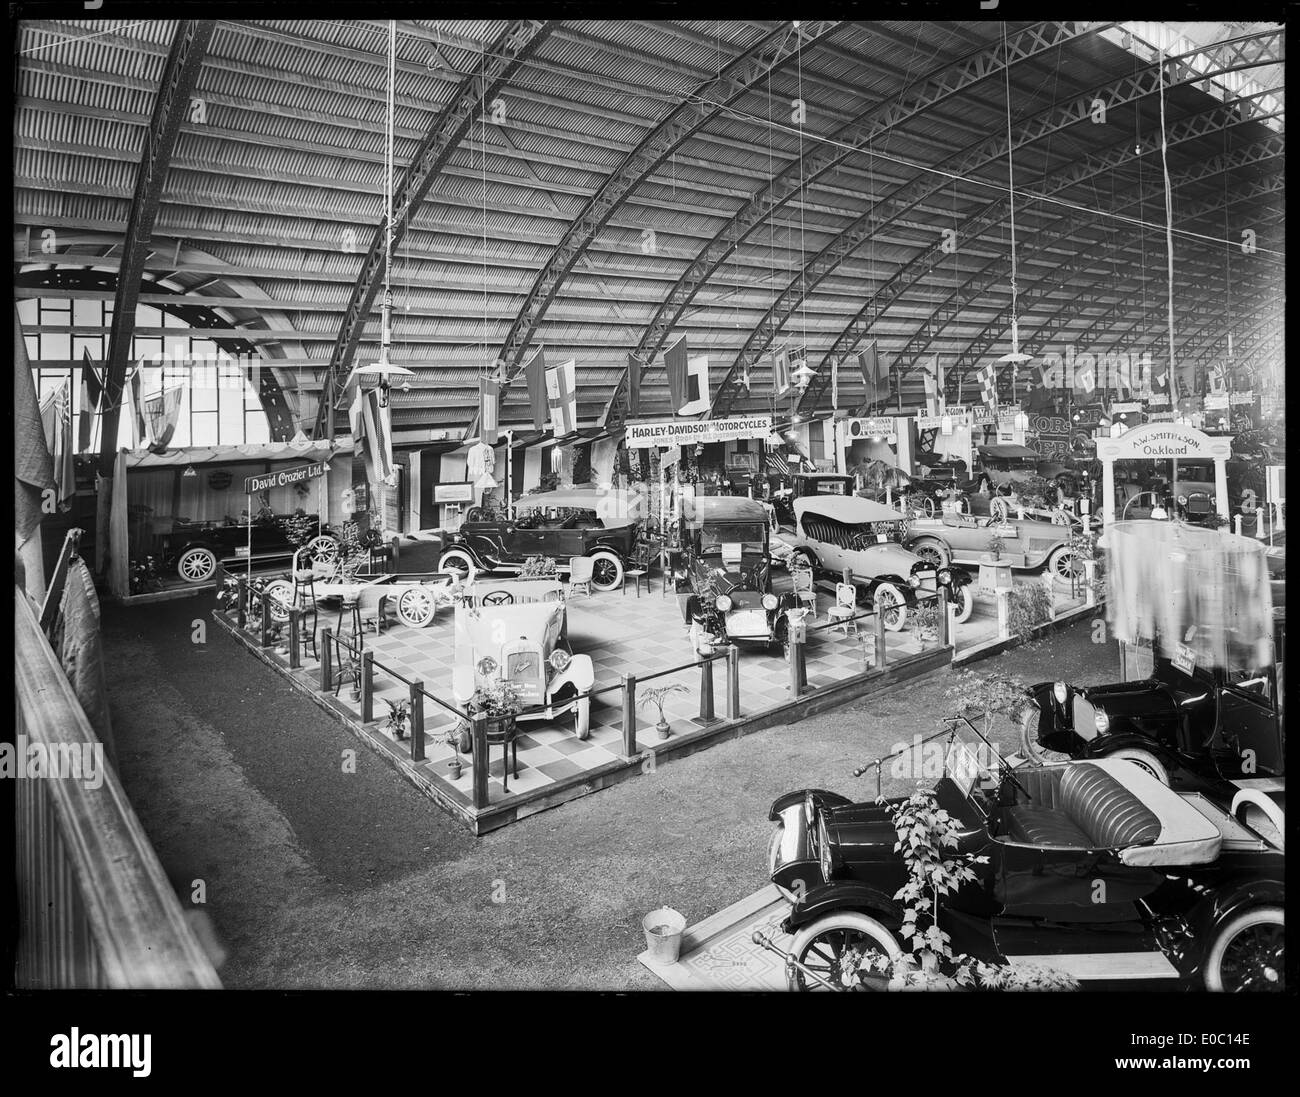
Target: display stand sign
696	432
1126	408
284	478
1184	659
881	427
453	493
1247	397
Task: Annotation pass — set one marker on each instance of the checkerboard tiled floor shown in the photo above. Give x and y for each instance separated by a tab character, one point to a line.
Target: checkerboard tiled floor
622	633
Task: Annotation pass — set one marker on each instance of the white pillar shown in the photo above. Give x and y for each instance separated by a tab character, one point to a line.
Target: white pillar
1107	492
1221	505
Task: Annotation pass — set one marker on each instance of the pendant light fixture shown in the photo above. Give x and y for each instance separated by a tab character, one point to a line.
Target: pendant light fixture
382	370
1015	357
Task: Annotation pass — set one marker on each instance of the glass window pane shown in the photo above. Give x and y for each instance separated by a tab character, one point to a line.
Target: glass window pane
171	320
55	311
256	428
87	313
146	349
28	309
203	348
204	397
232	420
203	424
33	346
178	346
56	345
82	343
146	316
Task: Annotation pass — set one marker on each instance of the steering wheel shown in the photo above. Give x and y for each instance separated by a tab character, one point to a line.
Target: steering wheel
497	598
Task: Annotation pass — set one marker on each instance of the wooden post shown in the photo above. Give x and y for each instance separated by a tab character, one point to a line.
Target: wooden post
478	740
326	659
295	638
264	625
1089	577
629	715
880	637
706	691
241	607
417	720
367	686
1236	524
397	554
798	667
733	682
943	632
1004	612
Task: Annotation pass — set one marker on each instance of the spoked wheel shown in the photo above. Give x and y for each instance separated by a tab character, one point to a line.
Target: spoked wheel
833	947
1248	952
456	562
965	602
924	504
196	565
893	606
1000	508
323	549
416	607
1065	567
933	552
280	595
606	571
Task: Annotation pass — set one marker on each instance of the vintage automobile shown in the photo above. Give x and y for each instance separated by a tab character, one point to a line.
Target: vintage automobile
1207	720
515	630
832	534
1094	869
560	524
195	548
1026	544
723	575
1005	465
804	484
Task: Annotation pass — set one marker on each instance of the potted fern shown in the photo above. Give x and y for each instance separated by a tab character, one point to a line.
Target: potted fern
452	739
657	696
398	714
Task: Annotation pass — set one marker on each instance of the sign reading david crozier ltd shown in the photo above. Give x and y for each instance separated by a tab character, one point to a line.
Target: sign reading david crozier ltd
284	478
691	432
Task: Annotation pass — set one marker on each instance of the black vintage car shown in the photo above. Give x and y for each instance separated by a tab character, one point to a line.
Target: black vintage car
556	524
1215	723
805	484
723	575
1094	869
194	548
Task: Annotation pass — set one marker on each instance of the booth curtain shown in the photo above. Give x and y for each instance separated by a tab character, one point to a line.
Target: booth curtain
76	639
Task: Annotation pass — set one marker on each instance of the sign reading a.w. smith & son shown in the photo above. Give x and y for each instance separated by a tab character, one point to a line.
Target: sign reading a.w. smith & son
283	478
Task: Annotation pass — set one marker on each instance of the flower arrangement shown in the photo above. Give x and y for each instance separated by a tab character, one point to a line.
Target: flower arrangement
496	698
539	567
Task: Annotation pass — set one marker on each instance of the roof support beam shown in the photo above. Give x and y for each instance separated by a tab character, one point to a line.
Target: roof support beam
1249	51
172	104
502	59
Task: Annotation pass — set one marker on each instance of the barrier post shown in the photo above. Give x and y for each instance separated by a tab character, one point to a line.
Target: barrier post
479	744
1089	578
241	607
367	686
798	667
326	659
397	554
1236	523
295	638
417	720
706	691
944	622
1004	614
880	637
264	625
733	682
629	715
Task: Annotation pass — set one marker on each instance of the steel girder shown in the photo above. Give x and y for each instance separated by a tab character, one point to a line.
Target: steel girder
1212	121
1249	51
1095	252
171	106
795	177
709	100
502	59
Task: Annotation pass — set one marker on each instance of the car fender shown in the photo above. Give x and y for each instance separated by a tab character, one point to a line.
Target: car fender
823	796
909	595
462	684
1228	900
1109	744
579	673
843	895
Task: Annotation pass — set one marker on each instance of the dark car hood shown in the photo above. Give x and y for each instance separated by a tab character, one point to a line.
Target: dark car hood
861	832
1144	698
752	574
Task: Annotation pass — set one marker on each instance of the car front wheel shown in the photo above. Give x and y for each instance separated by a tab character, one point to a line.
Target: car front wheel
1248	951
933	552
416	607
606	571
832	949
1064	566
964	600
453	560
196	565
1144	760
893	606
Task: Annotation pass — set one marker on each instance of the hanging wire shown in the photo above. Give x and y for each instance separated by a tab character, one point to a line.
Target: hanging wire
1169	223
1011	189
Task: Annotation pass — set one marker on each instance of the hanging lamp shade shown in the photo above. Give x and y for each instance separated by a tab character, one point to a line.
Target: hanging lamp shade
1015	355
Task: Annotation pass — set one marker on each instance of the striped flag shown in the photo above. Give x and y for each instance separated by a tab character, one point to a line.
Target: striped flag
377	432
536	373
562	397
489	408
56	420
162	414
780	372
697	386
869	364
675	365
91	391
835	384
988	376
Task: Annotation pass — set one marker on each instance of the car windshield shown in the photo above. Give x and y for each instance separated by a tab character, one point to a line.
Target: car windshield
751	535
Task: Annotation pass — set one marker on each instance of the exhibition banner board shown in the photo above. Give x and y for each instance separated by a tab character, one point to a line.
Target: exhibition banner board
283	478
1125	408
1163	440
881	426
699	431
1247	397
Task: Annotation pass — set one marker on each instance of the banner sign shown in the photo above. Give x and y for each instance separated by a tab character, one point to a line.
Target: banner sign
877	427
928	422
1247	397
670	433
982	413
1156	397
284	478
453	493
1126	408
1216	400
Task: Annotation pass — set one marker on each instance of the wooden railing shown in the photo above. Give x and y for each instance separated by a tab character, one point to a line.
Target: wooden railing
95	907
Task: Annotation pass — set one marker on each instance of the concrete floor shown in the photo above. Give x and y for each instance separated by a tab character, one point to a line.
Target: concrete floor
323	874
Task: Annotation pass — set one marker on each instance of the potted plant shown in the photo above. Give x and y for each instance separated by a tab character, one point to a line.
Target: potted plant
350	671
398	715
925	618
500	702
452	739
539	567
657	695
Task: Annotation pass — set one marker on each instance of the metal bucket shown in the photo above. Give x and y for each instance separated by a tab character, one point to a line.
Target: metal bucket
663	934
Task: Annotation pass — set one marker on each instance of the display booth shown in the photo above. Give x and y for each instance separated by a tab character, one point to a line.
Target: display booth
1158	442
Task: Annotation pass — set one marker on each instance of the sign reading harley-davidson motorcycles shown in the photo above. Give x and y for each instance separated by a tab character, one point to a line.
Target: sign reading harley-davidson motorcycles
283	478
696	432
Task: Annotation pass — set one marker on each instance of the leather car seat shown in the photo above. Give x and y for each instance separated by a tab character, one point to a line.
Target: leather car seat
1089	808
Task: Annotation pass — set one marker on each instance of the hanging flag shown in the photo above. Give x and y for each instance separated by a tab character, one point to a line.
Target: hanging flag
872	378
376	427
930	375
33	467
835	384
988	376
91	391
139	429
489	409
697	386
535	371
162	414
356	420
780	372
1218	378
633	386
744	375
676	367
562	397
57	412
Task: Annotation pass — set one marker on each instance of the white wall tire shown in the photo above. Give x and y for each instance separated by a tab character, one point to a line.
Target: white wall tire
197	565
280	593
1063	566
416	607
999	508
894	610
821	946
606	571
1028	735
1144	760
1246	953
933	551
965	603
458	561
582	718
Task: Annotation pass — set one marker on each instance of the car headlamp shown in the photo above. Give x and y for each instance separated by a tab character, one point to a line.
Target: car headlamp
945	576
723	603
824	849
487	666
1101	721
1060	692
1182	500
560	659
914	581
769	601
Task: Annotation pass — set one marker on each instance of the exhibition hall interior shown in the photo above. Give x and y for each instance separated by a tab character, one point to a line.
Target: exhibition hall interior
648	505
